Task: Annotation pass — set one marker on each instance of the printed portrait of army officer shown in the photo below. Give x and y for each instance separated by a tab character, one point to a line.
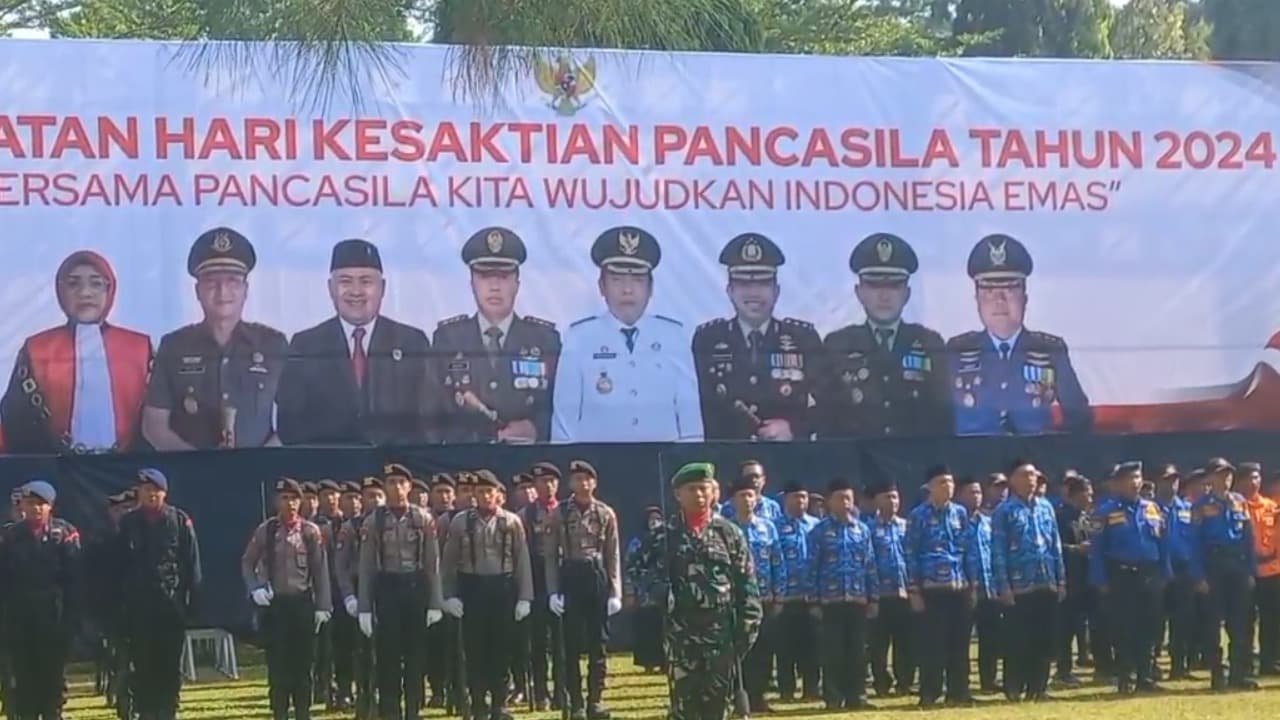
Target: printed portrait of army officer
885	376
626	375
755	372
497	366
358	377
213	384
1006	379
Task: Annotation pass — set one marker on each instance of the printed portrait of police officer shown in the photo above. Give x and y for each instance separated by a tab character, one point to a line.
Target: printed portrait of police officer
1007	379
498	367
885	376
756	372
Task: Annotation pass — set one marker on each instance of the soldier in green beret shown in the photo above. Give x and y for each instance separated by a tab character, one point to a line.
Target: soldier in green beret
713	607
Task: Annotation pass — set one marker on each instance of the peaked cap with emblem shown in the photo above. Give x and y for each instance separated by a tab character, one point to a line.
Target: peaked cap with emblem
883	257
999	261
288	486
494	248
221	249
355	253
751	256
627	250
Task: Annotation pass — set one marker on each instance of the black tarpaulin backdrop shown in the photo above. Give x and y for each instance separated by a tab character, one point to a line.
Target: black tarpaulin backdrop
226	492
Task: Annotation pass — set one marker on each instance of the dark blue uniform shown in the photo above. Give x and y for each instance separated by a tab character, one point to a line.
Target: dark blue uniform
988	614
796	637
1225	560
1129	560
1179	599
936	542
893	626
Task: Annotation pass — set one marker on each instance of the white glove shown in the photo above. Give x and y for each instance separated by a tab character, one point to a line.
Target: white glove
522	610
453	606
353	607
614	605
556	603
366	624
322	617
433	617
261	597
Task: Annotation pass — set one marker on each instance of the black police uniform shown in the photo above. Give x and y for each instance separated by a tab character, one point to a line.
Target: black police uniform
747	376
40	571
494	375
884	380
161	576
200	382
1010	387
542	628
322	400
102	573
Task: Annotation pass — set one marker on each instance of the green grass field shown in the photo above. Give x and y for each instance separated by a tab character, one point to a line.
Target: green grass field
633	695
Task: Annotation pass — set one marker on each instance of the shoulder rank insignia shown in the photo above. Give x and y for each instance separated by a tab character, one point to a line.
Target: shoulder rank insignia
576	323
797	322
540	321
1046	338
717	322
453	320
673	321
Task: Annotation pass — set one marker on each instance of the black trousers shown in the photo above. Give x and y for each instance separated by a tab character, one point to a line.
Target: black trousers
440	657
796	642
343	630
400	629
1101	640
757	666
944	647
289	626
38	637
1229	601
989	621
844	653
157	630
323	670
366	680
1029	643
1266	605
1073	618
1179	611
646	637
487	624
586	628
1134	590
544	637
893	627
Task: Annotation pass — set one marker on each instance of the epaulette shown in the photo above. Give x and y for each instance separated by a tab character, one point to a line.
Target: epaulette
670	320
713	323
540	321
797	322
576	323
971	338
1046	338
266	330
184	518
453	320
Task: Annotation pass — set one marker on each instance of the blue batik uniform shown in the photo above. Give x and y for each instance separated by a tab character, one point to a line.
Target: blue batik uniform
842	562
935	547
977	557
888	539
1182	534
1026	550
762	538
793	551
766	507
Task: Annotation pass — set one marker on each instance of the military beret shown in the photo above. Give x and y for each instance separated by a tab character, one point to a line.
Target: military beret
545	470
653	510
494	248
120	498
442	479
331	485
1124	469
466	478
391	470
752	256
582	466
999	261
791	487
351	487
152	476
693	472
521	479
371	483
310	488
1168	471
936	471
1195	476
839	484
1217	465
742	484
883	257
289	486
627	250
15	495
355	253
486	478
421	485
1249	467
221	249
1078	484
815	495
40	489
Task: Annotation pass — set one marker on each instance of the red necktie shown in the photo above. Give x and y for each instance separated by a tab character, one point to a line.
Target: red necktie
359	361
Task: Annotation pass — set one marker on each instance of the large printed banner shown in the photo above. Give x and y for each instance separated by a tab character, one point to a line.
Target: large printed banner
634	248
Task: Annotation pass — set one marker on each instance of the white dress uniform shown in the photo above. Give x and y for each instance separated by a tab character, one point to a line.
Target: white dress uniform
606	393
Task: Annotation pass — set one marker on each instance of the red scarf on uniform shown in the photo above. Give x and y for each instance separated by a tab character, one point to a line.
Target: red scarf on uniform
698	522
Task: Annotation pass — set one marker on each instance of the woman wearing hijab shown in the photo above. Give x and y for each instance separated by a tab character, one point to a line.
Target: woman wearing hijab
78	387
647	594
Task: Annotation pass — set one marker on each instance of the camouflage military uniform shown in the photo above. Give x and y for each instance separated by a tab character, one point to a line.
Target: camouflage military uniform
713	611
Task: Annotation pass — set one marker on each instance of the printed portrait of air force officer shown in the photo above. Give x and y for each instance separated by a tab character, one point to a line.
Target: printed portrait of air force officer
78	387
626	375
358	377
213	383
1007	378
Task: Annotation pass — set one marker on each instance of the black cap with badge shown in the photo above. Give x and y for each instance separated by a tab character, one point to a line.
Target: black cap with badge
355	253
999	261
289	486
627	250
752	256
221	250
494	248
883	257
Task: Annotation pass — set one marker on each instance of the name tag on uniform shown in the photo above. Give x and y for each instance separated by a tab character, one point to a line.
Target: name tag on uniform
1115	518
604	356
